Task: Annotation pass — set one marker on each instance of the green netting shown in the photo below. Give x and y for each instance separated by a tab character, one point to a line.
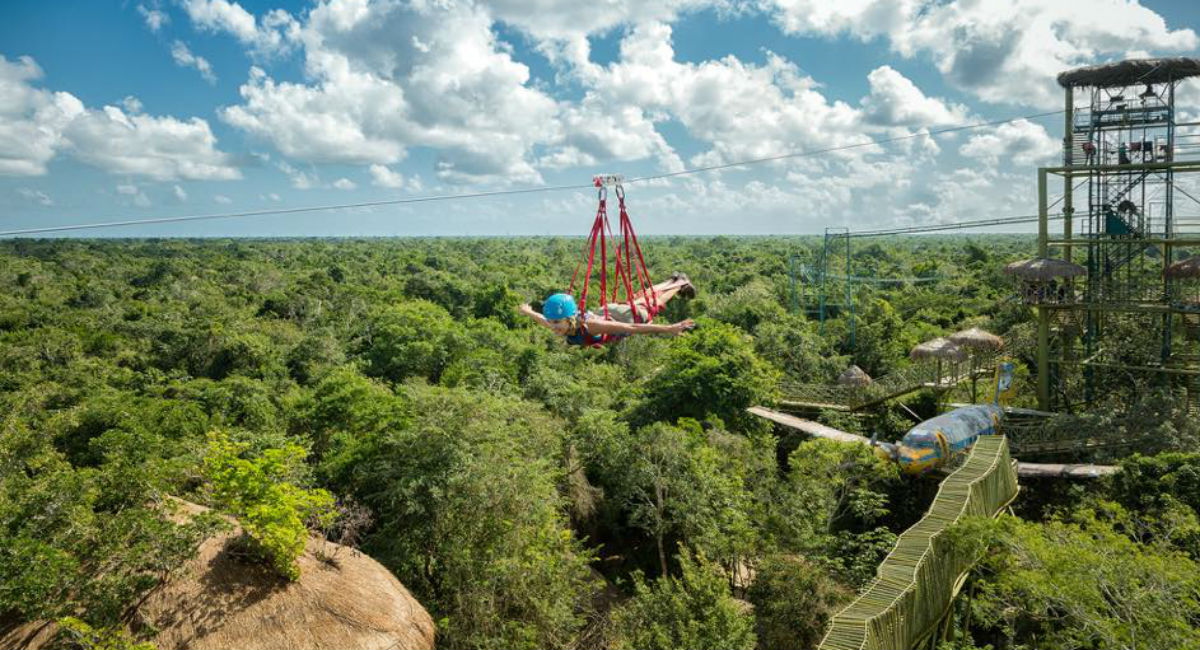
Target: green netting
916	583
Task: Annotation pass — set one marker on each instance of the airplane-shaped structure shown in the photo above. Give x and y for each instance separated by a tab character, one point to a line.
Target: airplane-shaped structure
938	442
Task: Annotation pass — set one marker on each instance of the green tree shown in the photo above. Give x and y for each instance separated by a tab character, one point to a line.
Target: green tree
1082	582
414	338
712	371
471	519
260	492
794	602
694	610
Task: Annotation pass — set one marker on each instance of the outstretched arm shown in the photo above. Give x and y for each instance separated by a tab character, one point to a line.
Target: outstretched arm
600	326
529	311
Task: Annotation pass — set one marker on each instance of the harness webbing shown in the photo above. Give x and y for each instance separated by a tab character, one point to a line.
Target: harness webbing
629	265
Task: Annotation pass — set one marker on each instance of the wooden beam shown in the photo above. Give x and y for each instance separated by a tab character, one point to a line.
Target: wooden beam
1057	470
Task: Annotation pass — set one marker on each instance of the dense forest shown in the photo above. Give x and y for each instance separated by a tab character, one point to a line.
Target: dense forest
388	395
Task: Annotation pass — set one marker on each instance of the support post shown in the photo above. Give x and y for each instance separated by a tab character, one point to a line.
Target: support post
1068	160
1043	332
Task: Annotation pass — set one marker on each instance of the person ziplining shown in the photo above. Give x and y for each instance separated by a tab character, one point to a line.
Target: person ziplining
616	318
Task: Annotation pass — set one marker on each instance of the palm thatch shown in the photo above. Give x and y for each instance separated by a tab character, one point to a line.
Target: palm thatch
1044	269
977	339
854	376
1130	72
940	349
1189	268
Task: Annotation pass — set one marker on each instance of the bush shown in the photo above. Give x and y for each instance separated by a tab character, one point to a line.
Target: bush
692	611
259	492
793	602
416	338
712	371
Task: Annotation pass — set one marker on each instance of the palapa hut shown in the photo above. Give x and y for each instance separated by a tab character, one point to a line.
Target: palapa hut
939	350
1045	280
855	377
977	339
980	343
1185	285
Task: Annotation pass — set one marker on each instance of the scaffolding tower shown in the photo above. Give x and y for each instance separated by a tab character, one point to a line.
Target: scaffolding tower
1124	319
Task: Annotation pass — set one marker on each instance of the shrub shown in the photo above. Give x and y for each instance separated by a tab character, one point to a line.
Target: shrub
694	610
258	491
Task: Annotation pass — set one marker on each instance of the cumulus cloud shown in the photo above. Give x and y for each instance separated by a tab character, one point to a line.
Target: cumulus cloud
344	184
162	148
1024	142
300	179
134	194
385	177
184	57
154	17
35	196
895	100
1003	51
222	199
181	195
36	124
31	119
387	77
270	35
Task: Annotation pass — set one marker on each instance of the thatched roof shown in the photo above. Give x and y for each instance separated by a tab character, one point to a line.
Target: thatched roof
1130	72
938	348
854	376
1189	268
1044	268
216	601
978	339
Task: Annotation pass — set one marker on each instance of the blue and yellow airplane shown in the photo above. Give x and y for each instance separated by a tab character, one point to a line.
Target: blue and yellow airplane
937	442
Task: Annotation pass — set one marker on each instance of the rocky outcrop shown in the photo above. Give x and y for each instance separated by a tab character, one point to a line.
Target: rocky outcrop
343	599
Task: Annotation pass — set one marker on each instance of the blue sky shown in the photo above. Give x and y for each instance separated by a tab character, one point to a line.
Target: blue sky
152	108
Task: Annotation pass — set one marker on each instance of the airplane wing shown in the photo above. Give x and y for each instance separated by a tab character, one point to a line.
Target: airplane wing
1056	470
808	426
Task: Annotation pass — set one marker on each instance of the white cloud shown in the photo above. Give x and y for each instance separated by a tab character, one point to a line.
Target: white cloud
375	92
300	180
268	36
35	124
35	196
222	199
384	177
155	18
1003	51
344	184
1024	142
895	100
184	57
131	104
180	194
162	148
31	119
135	194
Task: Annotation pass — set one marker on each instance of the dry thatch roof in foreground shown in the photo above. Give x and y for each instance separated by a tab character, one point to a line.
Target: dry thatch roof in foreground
978	339
1044	268
939	348
1131	72
216	602
1189	268
854	376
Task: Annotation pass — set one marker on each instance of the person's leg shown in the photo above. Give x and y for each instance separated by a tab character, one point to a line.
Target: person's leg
663	291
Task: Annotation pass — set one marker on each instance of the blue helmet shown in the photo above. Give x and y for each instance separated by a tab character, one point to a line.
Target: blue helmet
560	305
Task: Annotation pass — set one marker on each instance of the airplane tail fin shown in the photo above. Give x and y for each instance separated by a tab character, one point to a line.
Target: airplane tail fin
1004	382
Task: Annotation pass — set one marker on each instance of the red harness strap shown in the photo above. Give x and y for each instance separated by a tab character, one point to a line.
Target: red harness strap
627	269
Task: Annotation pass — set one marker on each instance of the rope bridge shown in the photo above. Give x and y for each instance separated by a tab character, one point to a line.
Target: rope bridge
917	582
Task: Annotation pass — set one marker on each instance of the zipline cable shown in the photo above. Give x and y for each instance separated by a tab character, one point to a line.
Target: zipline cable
528	190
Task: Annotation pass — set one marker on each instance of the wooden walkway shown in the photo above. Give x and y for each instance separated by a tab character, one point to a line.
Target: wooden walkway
919	579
